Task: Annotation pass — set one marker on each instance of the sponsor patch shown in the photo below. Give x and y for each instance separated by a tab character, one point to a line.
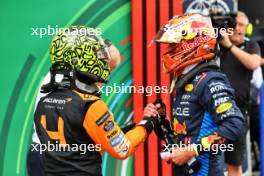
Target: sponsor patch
186	97
55	101
212	139
124	150
228	113
109	125
219	94
112	134
217	88
188	87
179	128
207	141
121	145
220	100
116	140
103	118
197	41
223	107
180	111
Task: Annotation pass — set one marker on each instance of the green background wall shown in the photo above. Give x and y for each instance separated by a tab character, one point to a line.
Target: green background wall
25	62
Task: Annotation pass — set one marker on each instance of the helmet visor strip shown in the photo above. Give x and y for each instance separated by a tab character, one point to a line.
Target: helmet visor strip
184	28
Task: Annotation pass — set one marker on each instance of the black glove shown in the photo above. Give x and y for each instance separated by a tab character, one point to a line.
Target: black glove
128	127
149	123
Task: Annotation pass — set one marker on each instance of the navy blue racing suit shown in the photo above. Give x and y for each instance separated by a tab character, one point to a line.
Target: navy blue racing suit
205	113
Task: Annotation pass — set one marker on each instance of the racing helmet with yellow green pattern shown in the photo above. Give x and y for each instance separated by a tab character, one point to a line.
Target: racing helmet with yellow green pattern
82	50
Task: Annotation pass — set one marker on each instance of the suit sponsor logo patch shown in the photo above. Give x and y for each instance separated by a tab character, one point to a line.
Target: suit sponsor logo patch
103	118
112	134
124	150
223	107
109	125
118	148
56	101
188	87
116	140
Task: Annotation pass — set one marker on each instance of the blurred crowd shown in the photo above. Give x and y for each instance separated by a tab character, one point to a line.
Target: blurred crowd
242	61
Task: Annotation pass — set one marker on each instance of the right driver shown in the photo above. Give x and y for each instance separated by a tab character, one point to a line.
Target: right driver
205	117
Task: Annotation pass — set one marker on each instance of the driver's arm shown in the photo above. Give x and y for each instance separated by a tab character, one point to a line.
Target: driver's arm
99	123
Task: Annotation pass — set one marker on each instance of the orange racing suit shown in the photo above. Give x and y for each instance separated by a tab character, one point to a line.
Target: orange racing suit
70	118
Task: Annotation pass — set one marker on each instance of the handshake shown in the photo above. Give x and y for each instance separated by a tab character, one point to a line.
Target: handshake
156	113
155	119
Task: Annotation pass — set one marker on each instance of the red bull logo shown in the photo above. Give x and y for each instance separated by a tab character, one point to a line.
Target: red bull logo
212	139
179	128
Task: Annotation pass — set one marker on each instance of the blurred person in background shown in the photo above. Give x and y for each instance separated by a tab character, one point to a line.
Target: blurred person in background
262	61
254	113
239	57
256	82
